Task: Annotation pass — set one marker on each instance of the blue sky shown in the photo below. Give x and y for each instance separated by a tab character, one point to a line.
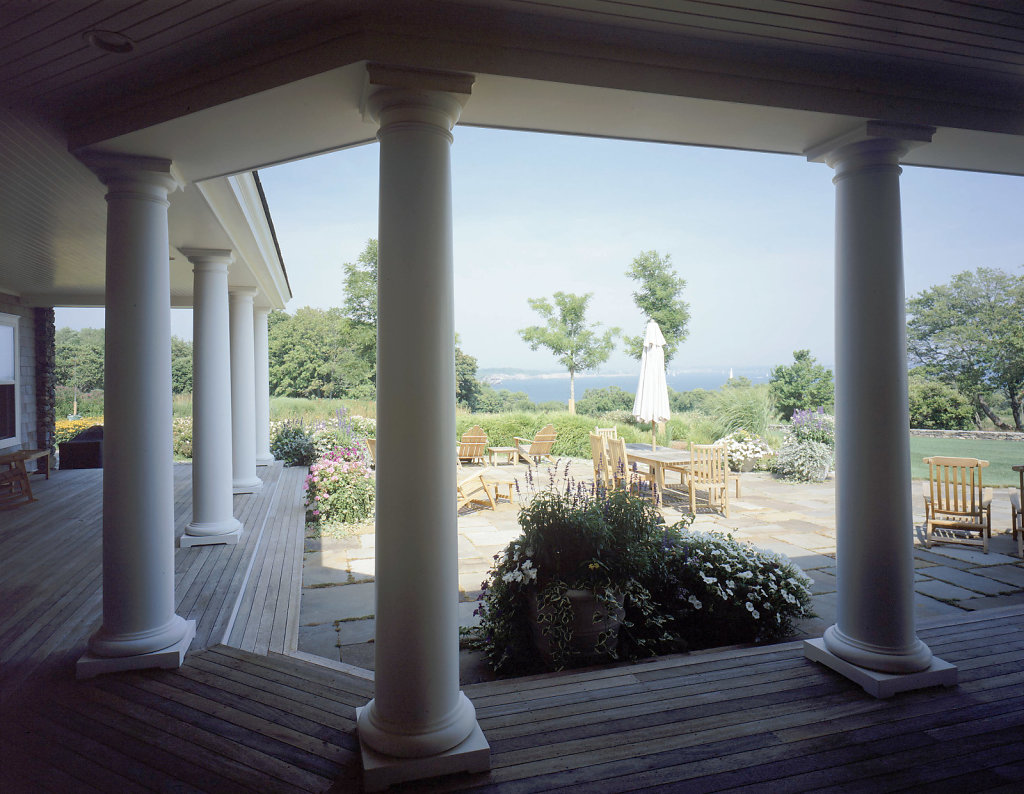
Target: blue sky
752	234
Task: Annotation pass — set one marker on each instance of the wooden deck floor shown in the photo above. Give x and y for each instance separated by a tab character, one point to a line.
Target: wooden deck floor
244	715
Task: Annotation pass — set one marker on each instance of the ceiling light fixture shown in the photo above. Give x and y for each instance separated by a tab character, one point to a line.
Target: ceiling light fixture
109	41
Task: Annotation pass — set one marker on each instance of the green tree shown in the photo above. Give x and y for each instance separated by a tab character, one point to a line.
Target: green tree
577	346
600	401
659	298
181	366
937	405
361	286
467	387
318	353
79	358
969	332
802	384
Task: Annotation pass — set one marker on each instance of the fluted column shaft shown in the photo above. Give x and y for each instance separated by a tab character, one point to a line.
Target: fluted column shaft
213	519
138	490
262	363
243	392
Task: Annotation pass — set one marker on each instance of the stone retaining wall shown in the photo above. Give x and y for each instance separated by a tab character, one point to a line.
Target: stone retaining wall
995	435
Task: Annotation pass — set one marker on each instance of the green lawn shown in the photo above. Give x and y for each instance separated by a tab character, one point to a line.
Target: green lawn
1001	455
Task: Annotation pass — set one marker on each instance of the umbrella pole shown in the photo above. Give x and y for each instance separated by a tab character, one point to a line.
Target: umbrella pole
654	437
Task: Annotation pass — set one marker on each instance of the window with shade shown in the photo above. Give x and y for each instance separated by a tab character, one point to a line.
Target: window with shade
8	380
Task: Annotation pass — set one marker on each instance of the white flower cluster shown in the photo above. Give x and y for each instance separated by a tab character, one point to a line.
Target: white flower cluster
741	445
524	574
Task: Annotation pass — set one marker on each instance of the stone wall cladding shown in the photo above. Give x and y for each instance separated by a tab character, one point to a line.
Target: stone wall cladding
974	435
46	382
10	304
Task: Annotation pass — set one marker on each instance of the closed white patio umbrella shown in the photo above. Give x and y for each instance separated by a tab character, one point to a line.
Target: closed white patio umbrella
651	403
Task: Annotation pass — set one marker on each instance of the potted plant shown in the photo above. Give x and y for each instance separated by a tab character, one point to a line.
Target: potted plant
564	593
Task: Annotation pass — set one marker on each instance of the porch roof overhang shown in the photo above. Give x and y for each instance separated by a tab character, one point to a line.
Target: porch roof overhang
224	94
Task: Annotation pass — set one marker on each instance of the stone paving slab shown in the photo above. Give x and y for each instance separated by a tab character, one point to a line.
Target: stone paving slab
943	590
993	602
328	604
320	641
969	581
806	559
1009	574
351	632
363	569
973	556
925	608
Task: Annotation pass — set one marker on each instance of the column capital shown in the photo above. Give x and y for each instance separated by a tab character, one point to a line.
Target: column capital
242	293
117	169
209	258
877	142
395	95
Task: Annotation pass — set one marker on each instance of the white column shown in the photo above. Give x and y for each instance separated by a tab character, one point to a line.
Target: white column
140	628
243	393
874	640
419	723
213	519
262	362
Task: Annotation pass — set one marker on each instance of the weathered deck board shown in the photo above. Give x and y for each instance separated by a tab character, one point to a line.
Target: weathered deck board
252	718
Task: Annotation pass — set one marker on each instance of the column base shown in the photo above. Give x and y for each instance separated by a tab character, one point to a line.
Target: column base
91	665
187	541
264	460
246	486
882	685
472	754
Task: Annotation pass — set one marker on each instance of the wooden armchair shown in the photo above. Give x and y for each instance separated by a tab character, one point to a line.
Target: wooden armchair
620	470
539	447
1016	517
473	446
599	454
708	470
956	504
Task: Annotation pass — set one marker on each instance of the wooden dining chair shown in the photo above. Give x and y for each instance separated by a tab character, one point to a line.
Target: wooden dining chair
708	471
1016	517
599	455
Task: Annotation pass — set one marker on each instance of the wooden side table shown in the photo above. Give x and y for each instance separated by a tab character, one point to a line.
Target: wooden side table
509	452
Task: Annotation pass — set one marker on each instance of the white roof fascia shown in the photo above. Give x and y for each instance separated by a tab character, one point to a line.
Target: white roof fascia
236	202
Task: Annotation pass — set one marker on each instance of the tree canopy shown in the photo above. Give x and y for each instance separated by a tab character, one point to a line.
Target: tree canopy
79	358
970	333
659	298
577	346
802	384
361	286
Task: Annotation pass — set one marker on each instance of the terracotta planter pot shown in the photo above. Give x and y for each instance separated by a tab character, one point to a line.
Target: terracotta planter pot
585	630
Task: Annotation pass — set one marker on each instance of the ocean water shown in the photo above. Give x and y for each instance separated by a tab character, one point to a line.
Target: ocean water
545	388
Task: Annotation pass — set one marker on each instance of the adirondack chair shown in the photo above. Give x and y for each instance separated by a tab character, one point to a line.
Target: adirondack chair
472	488
1017	518
539	447
473	446
956	505
708	470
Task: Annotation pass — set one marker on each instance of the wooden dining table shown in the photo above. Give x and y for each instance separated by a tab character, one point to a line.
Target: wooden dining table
658	461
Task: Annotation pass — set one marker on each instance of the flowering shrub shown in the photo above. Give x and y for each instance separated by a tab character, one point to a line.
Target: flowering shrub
339	491
719	591
181	430
293	444
742	446
816	425
803	461
66	429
